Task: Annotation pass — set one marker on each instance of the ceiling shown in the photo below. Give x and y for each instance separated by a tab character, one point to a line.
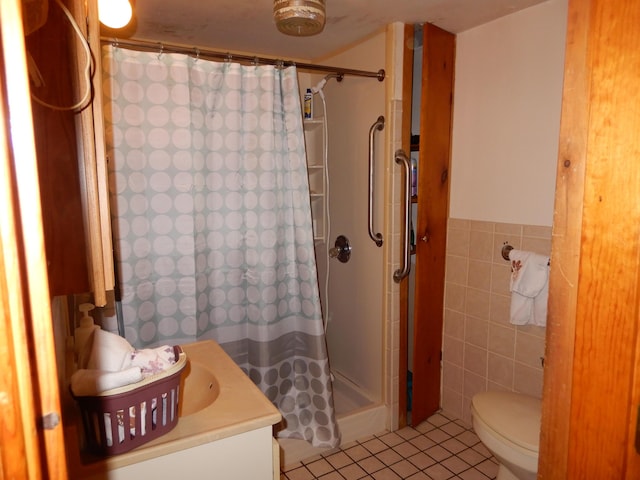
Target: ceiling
247	25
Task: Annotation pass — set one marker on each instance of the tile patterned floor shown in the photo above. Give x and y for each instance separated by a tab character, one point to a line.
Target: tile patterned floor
438	449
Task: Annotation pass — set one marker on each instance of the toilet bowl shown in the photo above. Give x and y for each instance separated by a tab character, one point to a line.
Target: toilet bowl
508	424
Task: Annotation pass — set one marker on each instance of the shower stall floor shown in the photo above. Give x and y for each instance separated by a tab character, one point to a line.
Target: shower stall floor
357	415
347	397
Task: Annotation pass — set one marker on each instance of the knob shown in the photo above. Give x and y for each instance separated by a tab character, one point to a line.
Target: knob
341	249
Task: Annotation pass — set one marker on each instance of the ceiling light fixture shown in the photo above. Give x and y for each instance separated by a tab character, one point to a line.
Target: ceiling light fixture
114	13
300	18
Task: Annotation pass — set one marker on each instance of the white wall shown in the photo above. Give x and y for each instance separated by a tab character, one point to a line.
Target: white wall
506	119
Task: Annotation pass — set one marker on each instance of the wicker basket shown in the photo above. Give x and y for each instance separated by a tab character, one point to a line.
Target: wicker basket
124	418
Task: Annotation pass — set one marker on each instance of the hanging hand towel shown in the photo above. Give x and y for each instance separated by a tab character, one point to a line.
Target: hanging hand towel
529	287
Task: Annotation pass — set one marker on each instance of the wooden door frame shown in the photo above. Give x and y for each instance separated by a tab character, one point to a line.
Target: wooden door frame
592	369
407	101
29	381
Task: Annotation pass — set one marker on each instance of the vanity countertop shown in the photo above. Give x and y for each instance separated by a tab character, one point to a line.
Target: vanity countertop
240	407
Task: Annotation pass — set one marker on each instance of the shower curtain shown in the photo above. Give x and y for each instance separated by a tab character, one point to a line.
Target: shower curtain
212	222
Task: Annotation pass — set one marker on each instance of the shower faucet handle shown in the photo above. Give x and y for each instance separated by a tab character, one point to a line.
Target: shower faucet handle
341	249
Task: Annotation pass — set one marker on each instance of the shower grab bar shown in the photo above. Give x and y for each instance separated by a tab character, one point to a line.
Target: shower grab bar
378	125
402	159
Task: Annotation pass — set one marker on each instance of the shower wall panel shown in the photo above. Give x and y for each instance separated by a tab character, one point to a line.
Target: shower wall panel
355	327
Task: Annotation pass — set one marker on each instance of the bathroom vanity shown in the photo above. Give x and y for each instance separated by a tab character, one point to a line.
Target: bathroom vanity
224	430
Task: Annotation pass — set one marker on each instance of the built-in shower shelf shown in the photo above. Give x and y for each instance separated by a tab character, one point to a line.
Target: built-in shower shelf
313	122
314	142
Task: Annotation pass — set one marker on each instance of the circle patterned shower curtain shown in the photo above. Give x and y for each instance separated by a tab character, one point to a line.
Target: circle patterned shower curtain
212	222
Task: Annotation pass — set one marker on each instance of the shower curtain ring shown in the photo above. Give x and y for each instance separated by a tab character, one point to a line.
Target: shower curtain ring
161	51
197	51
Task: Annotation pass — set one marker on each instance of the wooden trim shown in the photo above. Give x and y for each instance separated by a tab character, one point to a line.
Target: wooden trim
565	253
19	453
407	100
24	269
101	149
92	159
591	373
16	449
607	312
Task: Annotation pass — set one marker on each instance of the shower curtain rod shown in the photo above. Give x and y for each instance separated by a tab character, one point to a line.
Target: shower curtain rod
205	53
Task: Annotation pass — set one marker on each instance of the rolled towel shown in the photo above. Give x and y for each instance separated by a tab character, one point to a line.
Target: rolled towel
86	382
153	360
106	351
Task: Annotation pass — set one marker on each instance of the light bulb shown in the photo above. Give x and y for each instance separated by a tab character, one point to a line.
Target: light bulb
114	13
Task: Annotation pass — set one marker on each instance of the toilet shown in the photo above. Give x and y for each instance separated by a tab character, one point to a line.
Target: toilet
508	424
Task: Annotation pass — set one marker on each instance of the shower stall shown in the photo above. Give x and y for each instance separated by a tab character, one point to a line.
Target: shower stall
353	297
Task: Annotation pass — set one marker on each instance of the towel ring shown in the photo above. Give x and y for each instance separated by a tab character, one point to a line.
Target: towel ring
506	248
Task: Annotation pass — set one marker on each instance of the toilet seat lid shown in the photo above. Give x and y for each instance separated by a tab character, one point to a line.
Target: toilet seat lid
514	416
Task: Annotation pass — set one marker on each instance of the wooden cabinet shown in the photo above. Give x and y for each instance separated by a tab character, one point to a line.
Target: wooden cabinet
71	154
57	151
224	459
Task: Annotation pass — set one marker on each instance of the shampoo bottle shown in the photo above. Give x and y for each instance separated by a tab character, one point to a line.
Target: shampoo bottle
84	329
308	105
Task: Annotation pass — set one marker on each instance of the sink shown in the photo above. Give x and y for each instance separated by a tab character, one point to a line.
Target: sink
217	401
199	388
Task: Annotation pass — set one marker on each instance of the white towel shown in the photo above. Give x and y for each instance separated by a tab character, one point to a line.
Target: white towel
529	287
109	361
86	382
106	351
